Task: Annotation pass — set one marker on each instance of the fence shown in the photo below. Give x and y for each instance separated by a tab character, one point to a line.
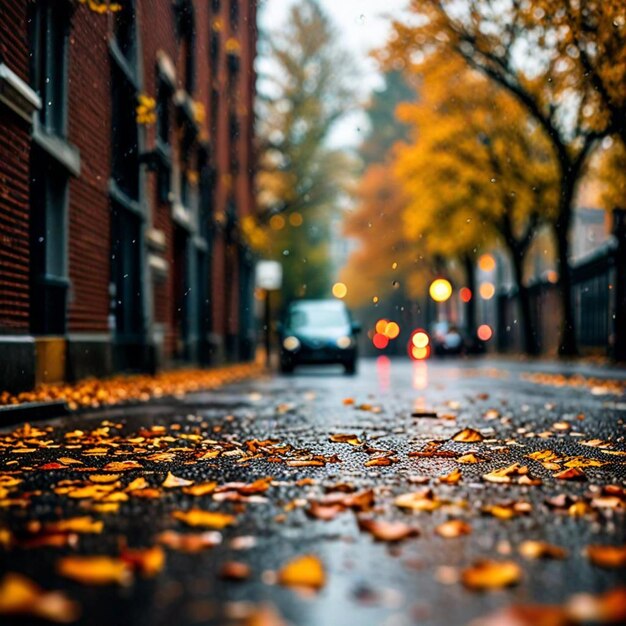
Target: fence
599	299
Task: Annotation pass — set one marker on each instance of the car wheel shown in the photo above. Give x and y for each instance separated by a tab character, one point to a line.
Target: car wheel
286	367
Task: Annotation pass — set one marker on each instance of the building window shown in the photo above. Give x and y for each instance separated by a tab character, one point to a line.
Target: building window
234	15
124	27
186	29
49	69
48	169
214	53
215	6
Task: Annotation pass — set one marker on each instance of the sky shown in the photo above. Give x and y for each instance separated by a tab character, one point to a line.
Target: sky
363	25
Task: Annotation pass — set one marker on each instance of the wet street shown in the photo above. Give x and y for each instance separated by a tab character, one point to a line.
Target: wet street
419	493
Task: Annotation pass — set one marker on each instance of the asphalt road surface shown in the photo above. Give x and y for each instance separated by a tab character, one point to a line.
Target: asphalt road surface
323	496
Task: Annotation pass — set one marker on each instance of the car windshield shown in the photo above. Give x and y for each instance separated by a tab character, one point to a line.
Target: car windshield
317	317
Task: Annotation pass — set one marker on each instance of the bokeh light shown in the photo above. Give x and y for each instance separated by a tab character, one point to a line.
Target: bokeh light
440	290
296	219
340	290
375	299
487	263
484	332
277	222
487	291
419	354
380	341
392	330
381	326
465	293
420	339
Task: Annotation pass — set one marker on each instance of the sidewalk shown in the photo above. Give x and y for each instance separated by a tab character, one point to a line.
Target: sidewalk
94	393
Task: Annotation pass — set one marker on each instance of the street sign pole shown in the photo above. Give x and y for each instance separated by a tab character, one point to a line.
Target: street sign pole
269	277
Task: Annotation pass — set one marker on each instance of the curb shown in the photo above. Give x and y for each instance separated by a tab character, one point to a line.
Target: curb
13	414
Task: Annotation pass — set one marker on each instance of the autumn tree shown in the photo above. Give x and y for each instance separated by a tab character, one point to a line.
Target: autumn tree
524	48
304	92
478	172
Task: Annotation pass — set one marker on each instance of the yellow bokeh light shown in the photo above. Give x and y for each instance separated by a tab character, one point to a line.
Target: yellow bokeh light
296	219
375	299
419	353
339	290
277	222
394	266
392	330
381	326
487	263
440	290
487	291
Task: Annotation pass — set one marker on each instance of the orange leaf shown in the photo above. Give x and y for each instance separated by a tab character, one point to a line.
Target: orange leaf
610	557
453	528
304	571
468	435
489	574
95	570
388	531
205	519
21	596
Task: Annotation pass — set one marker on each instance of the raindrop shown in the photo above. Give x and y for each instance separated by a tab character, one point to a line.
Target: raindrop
125	275
493	180
285	252
395	284
41	239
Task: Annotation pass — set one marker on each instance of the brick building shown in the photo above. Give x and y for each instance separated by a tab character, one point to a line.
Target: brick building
126	167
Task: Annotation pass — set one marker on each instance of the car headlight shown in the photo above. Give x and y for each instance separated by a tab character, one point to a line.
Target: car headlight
291	343
344	342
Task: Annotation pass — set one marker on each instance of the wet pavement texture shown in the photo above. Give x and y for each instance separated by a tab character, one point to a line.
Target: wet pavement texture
390	405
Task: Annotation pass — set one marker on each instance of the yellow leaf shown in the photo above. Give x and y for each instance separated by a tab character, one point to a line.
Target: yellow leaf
304	571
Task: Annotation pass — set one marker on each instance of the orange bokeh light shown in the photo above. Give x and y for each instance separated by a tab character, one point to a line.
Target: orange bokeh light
392	330
380	341
484	332
487	263
440	290
465	293
487	291
381	326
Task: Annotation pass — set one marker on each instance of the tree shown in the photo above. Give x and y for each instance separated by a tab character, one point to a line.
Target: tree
384	127
520	46
303	94
478	169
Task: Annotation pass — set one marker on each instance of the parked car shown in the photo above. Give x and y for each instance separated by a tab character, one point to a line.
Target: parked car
318	332
447	339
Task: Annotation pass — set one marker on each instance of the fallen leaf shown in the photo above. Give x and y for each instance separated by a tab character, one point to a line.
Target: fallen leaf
95	570
200	489
453	528
172	481
418	501
353	440
104	478
85	524
234	570
21	596
573	473
541	550
388	531
148	561
488	574
452	478
525	615
325	512
205	519
605	608
304	571
609	557
190	543
468	435
506	474
469	458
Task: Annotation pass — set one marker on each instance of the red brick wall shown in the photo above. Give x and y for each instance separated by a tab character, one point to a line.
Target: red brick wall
90	132
14	179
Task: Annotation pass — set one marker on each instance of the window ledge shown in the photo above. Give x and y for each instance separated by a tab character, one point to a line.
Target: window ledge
167	69
123	64
17	95
123	199
184	103
58	148
181	215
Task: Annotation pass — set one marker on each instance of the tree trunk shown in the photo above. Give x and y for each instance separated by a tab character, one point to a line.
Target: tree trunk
470	280
567	342
529	335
